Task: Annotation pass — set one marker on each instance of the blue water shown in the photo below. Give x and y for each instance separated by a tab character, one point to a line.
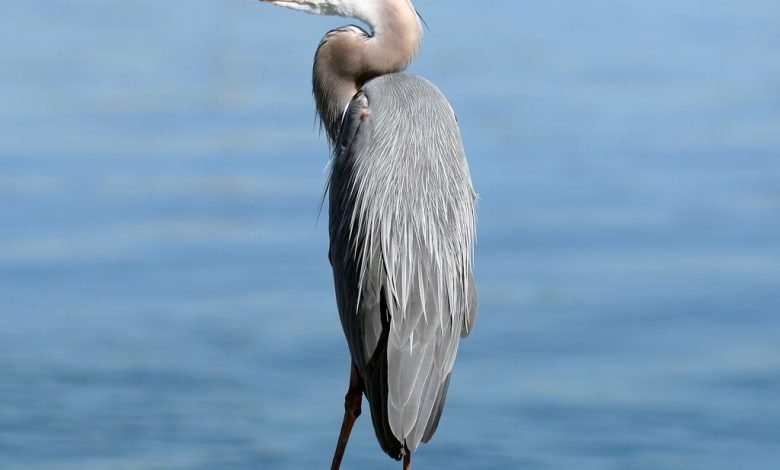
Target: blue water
165	298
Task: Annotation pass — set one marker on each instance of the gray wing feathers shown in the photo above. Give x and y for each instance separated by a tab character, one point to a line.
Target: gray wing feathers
473	306
402	230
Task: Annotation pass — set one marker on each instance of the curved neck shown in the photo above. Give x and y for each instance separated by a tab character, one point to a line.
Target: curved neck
395	39
348	57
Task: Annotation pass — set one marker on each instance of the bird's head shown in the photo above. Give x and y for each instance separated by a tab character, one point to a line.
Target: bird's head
367	11
360	9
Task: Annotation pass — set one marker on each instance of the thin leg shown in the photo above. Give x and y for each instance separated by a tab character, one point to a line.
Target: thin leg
352	403
408	461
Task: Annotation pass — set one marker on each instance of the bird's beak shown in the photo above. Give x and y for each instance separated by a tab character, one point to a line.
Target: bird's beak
284	3
309	6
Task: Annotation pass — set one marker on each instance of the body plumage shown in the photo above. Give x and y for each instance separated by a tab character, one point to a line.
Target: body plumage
401	231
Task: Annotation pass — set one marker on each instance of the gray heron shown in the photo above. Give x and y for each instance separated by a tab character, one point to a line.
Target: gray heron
401	220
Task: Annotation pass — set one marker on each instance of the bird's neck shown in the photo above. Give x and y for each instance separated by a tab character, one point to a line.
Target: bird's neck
395	39
348	57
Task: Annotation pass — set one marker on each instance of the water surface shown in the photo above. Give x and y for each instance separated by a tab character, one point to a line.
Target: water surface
165	299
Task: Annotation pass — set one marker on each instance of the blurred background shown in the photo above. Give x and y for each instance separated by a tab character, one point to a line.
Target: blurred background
165	298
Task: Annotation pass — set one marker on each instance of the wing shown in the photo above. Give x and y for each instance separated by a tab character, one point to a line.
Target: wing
402	231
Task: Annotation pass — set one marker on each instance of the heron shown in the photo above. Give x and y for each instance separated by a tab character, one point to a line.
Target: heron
402	220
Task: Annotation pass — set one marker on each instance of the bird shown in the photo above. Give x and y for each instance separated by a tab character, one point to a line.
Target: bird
402	220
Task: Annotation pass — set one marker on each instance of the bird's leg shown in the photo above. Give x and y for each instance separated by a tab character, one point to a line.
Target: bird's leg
352	403
408	461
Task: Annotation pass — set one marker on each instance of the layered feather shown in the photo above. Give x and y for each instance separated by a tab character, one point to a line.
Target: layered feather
402	228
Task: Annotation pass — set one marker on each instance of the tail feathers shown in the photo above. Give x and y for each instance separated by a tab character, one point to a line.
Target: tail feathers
438	407
376	393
